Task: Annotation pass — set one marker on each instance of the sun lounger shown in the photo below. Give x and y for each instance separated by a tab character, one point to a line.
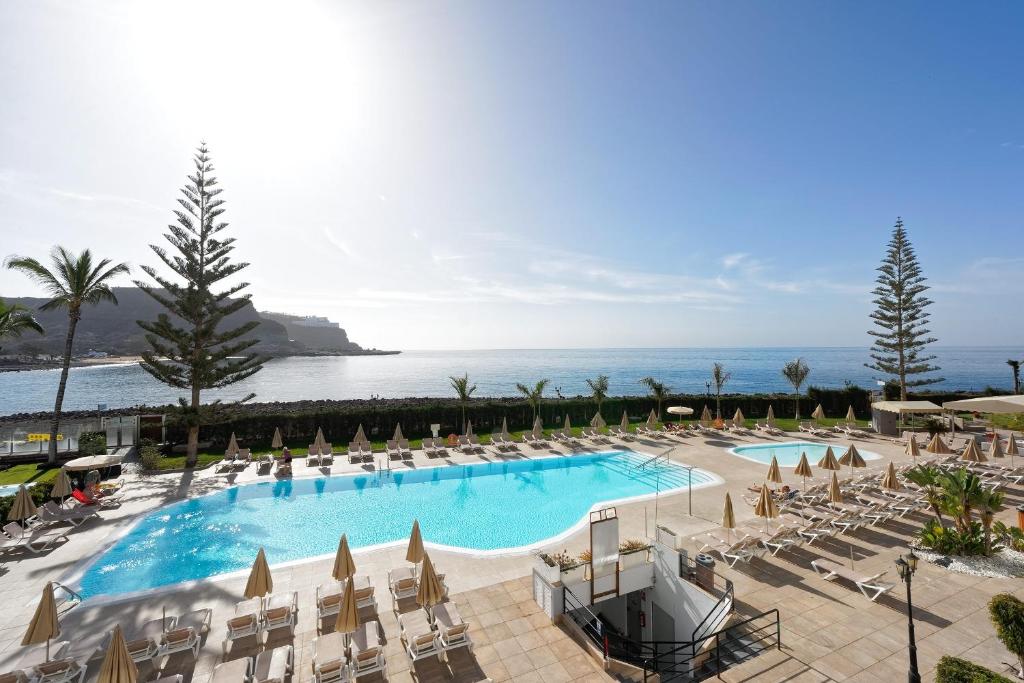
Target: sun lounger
354	456
264	463
402	584
144	643
391	450
327	455
235	671
813	430
16	676
403	449
59	671
34	655
464	445
272	666
243	459
417	637
279	611
51	513
732	552
284	467
452	630
328	598
870	586
37	540
782	538
329	662
313	456
246	622
187	632
367	653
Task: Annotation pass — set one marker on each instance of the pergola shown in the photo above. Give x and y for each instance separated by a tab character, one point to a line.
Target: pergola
902	408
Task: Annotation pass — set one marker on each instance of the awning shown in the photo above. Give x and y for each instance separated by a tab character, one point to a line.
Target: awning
92	462
906	407
679	410
988	404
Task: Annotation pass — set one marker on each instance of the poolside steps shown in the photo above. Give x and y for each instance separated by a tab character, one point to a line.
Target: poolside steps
661	474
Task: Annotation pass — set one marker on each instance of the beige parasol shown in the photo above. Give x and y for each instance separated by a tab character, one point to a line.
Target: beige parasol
597	422
624	422
771	416
997	448
728	516
828	461
62	486
260	582
504	426
972	453
360	436
737	418
835	494
852	458
567	424
938	446
118	666
652	419
23	506
344	565
43	626
538	428
232	448
819	413
348	614
705	416
469	428
803	468
277	442
850	415
1011	448
774	475
913	448
398	432
319	439
430	591
414	553
890	481
765	506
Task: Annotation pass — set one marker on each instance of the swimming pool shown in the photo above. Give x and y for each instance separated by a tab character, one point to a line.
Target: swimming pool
480	507
788	453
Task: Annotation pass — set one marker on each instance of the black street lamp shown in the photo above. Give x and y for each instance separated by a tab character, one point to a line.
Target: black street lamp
906	565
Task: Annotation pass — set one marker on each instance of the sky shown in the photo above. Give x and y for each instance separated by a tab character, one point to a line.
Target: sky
449	175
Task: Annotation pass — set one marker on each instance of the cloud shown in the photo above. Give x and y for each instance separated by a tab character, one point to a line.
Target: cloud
333	240
732	260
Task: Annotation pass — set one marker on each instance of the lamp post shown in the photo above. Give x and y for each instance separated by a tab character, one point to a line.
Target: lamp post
906	565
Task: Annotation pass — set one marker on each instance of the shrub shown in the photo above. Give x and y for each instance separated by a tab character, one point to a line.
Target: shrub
1007	614
1010	536
956	670
950	541
92	443
631	545
150	457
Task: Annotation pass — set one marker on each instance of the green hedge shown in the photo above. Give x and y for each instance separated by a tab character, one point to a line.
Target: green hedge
254	424
92	443
956	670
40	494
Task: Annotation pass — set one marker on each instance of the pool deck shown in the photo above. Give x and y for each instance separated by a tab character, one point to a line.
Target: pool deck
829	631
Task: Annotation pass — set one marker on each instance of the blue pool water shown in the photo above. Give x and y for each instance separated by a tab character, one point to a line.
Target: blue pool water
788	453
484	506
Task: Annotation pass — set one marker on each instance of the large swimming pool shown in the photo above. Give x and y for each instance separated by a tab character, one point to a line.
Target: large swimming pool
481	507
788	453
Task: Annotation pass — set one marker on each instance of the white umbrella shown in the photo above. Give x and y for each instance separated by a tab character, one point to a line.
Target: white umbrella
538	428
398	432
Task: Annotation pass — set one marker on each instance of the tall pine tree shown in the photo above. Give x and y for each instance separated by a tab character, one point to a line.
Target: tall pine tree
901	317
187	350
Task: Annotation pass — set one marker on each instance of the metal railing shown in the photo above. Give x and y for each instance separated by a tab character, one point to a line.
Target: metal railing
65	597
652	460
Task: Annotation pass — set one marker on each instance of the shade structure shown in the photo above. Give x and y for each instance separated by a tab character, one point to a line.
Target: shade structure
597	422
62	485
360	436
819	413
347	620
765	506
737	418
23	506
828	461
414	553
938	446
469	428
803	468
774	475
277	441
1011	448
430	591
728	516
652	419
260	582
679	410
538	428
989	404
972	453
44	625
997	447
852	457
504	425
624	422
398	432
232	448
705	416
770	419
567	423
850	415
117	666
913	449
835	494
319	439
890	481
344	565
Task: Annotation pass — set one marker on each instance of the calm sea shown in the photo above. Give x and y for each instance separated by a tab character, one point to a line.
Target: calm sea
496	372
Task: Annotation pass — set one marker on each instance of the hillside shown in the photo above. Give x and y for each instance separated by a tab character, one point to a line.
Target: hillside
112	329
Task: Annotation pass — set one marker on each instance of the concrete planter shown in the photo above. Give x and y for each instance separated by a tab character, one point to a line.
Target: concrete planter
632	559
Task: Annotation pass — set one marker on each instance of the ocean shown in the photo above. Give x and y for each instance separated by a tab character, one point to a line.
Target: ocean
496	372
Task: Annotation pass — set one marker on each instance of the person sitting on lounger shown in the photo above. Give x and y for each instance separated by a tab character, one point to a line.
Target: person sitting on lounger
782	494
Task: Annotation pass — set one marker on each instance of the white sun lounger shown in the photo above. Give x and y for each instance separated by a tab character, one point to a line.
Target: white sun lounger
144	643
37	540
246	622
391	450
329	662
279	611
59	671
419	639
273	666
327	455
403	449
51	513
367	653
187	633
312	455
870	586
235	671
402	584
452	630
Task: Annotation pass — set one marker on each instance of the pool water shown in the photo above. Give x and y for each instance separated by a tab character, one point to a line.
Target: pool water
486	506
788	454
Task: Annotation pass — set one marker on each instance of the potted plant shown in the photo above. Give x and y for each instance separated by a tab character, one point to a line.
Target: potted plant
632	552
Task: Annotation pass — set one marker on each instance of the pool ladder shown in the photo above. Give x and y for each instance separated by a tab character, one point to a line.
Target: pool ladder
69	598
653	460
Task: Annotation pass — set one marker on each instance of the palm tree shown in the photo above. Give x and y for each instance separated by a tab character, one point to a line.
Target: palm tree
15	319
796	372
1015	366
719	377
989	503
659	392
73	282
927	477
534	395
961	491
464	391
598	389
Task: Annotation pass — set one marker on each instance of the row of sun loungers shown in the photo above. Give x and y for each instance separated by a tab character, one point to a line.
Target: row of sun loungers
398	450
260	616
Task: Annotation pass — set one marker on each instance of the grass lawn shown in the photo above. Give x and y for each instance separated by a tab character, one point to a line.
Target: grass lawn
20	474
1015	422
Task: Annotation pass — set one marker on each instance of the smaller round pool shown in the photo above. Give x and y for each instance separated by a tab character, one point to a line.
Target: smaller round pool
788	453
